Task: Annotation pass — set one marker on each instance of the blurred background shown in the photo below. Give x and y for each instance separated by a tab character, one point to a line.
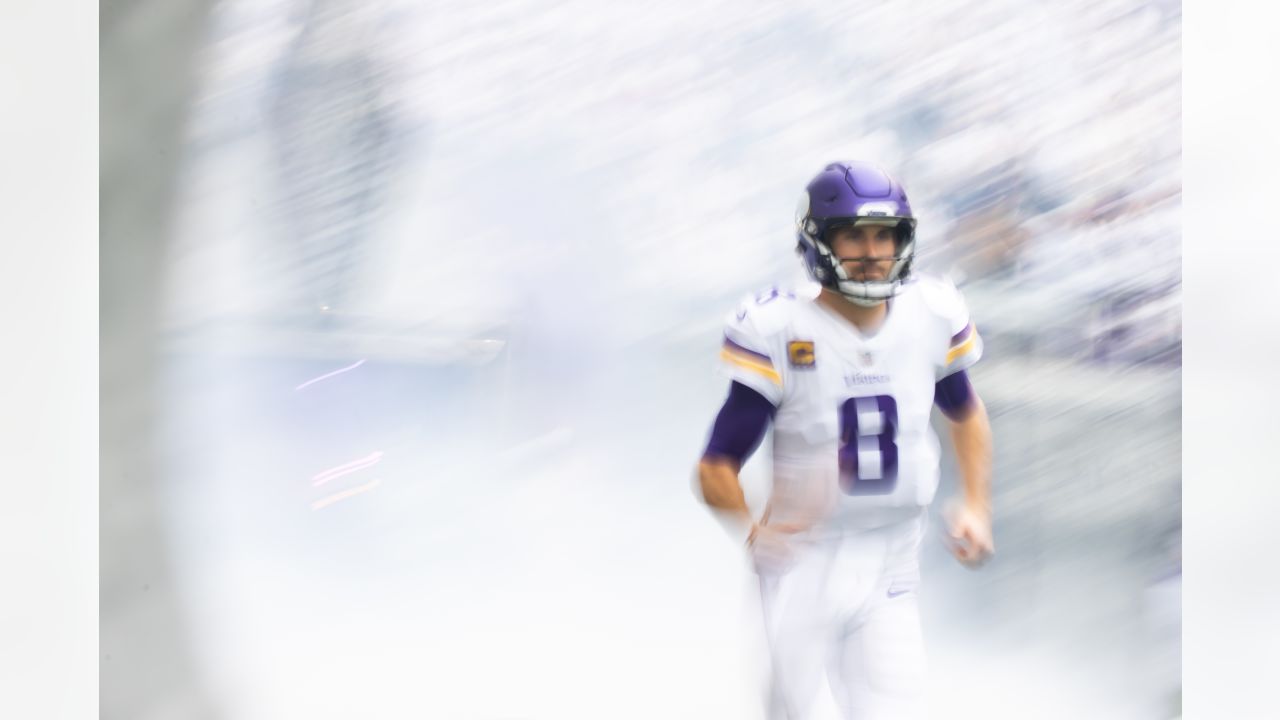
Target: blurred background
410	314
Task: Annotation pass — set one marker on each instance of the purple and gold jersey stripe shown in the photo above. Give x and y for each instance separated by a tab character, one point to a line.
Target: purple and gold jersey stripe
737	349
962	342
762	364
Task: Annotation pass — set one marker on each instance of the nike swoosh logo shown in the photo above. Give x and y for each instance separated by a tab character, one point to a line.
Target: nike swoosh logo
894	594
742	315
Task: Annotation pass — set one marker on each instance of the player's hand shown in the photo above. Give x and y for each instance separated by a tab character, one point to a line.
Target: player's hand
970	538
772	547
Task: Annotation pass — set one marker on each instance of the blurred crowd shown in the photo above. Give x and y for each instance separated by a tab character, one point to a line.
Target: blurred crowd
1059	184
1041	145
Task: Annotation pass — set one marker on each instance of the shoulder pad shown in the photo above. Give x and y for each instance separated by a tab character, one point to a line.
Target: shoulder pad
766	312
940	295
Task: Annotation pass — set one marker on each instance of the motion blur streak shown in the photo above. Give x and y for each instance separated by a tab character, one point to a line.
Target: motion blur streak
339	496
328	375
346	469
530	218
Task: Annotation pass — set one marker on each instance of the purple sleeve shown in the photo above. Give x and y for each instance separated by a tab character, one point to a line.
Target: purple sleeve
741	424
954	395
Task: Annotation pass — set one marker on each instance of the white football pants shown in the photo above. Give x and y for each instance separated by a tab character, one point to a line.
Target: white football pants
847	606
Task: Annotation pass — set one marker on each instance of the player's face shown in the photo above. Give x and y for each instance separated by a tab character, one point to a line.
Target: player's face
865	251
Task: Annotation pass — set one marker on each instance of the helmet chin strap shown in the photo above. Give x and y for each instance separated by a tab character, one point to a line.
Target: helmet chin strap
866	294
862	301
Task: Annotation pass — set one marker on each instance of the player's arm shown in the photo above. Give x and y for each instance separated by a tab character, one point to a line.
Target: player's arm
721	490
971	437
739	427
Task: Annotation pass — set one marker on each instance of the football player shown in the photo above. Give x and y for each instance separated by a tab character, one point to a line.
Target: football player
847	370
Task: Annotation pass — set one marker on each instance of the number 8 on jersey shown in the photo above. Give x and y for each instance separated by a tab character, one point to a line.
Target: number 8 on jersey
868	453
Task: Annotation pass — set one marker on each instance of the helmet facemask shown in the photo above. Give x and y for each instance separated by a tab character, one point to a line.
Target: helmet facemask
830	272
869	293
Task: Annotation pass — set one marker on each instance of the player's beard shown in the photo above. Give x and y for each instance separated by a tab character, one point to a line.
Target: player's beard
868	270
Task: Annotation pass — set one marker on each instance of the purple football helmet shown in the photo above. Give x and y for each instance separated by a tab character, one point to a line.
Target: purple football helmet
854	193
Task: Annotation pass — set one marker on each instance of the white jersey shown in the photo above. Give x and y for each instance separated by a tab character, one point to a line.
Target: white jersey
852	445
